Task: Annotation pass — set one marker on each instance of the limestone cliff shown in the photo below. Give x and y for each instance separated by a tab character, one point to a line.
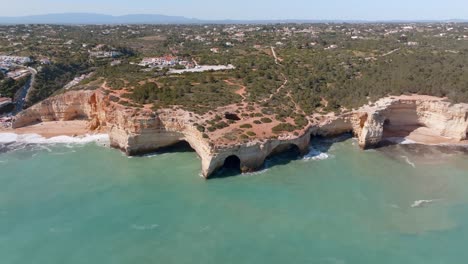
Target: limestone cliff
134	131
137	131
400	116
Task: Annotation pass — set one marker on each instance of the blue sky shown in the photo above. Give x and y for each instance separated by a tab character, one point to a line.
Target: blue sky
250	9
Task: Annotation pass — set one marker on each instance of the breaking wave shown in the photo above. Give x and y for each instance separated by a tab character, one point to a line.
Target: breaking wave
315	154
37	139
11	141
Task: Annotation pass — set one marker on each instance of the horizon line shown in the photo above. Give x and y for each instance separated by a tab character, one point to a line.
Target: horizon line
248	19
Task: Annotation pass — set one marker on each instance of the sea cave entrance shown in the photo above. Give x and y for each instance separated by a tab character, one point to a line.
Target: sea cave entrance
178	147
284	154
231	167
181	146
232	163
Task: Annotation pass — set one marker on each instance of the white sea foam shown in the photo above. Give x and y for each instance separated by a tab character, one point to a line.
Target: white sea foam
262	171
8	137
144	227
400	140
421	203
315	154
409	161
37	139
152	155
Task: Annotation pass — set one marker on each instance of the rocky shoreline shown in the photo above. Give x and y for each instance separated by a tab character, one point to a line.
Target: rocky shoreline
137	131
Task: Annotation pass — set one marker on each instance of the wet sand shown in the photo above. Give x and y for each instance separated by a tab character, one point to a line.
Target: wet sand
54	129
421	135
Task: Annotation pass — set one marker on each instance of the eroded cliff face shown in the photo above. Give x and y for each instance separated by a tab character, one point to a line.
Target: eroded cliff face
68	106
137	131
134	131
400	116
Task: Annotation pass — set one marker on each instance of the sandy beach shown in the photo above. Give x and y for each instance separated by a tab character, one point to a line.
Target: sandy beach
53	129
421	135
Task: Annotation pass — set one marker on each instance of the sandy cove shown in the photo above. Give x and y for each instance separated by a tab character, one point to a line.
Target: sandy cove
51	129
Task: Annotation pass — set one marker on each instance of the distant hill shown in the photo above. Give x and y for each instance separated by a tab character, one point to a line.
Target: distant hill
89	18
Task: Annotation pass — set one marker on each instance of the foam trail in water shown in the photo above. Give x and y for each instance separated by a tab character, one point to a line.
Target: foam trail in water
144	227
409	161
421	203
262	171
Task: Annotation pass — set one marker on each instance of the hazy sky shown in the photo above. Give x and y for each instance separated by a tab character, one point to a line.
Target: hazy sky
250	9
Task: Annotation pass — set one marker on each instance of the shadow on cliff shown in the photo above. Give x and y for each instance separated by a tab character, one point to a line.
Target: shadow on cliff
317	146
180	147
231	168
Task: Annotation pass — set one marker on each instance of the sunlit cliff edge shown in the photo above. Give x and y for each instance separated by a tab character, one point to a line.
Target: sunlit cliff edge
424	119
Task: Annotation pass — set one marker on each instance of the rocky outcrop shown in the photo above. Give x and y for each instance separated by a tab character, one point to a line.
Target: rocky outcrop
68	106
399	116
136	131
252	155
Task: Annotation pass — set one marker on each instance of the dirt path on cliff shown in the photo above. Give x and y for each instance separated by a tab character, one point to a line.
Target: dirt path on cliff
277	62
242	91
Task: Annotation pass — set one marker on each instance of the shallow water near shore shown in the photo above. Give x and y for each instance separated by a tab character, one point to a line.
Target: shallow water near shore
90	204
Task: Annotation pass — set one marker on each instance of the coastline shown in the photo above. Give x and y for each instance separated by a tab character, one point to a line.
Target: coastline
51	129
75	132
419	119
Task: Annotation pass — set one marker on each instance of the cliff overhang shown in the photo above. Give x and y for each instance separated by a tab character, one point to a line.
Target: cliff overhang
137	131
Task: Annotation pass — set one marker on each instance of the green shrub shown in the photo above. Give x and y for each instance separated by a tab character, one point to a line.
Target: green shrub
251	133
283	127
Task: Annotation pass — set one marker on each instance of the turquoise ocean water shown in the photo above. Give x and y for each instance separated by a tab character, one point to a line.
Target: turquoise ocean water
91	204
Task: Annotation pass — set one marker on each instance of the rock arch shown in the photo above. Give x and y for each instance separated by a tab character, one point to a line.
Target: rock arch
230	166
179	146
289	149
